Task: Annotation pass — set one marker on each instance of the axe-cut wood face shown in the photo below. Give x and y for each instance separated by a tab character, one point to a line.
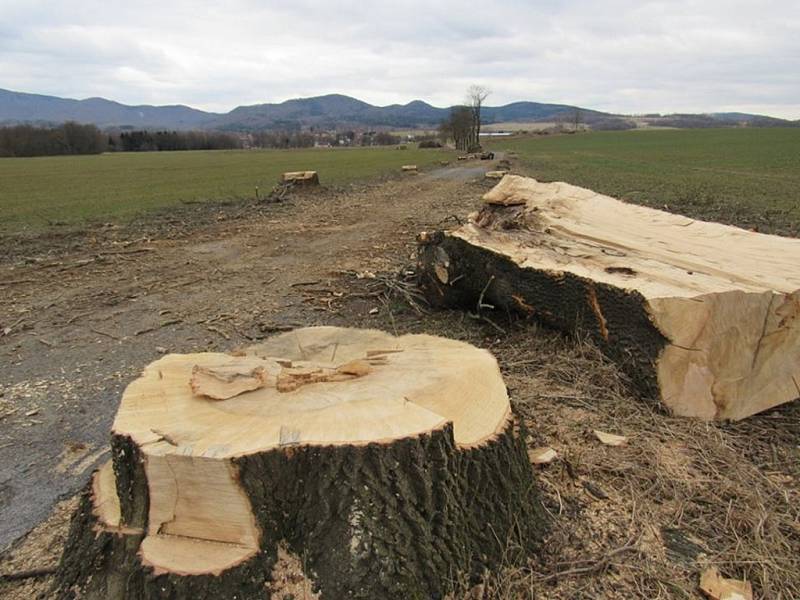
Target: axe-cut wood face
725	300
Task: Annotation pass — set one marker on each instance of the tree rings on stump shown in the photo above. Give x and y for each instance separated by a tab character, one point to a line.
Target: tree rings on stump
391	465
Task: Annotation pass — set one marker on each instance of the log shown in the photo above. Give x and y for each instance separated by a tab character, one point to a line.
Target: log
496	174
303	178
409	168
702	317
391	465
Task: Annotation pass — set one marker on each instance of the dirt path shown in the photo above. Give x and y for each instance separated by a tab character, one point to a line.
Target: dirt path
84	322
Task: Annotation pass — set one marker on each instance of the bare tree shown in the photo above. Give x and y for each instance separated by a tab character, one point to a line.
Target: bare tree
476	95
577	117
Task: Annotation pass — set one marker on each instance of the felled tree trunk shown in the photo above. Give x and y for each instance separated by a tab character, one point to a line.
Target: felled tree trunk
390	465
701	316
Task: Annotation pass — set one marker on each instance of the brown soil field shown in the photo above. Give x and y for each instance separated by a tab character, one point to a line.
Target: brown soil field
82	313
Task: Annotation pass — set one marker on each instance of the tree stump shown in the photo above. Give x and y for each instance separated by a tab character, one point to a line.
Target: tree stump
702	317
390	465
300	178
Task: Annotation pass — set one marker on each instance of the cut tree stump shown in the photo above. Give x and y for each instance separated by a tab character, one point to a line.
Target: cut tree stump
390	466
701	316
309	178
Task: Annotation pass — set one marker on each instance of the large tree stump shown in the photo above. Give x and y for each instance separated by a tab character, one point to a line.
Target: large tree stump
700	315
390	465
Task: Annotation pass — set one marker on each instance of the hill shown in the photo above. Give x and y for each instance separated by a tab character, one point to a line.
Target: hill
18	107
324	112
333	110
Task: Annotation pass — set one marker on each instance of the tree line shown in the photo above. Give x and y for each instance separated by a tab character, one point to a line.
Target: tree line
74	138
69	138
157	141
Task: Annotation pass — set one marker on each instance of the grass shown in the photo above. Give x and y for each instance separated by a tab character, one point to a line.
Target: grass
747	177
38	192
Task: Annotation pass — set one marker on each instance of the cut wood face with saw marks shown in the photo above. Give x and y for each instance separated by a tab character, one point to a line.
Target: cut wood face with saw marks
219	458
701	316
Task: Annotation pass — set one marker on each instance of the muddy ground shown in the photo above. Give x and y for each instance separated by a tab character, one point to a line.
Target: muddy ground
81	313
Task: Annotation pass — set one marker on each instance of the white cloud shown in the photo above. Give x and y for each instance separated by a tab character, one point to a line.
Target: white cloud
616	55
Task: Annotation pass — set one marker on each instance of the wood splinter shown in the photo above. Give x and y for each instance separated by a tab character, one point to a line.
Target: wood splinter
227	381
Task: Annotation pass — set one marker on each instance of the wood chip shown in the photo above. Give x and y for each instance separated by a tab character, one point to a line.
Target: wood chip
610	439
357	368
542	456
290	379
716	587
227	381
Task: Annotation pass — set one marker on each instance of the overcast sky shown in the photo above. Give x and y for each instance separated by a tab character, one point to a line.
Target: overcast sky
627	56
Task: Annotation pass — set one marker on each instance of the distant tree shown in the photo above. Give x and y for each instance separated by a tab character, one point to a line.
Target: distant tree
459	126
476	96
576	119
384	138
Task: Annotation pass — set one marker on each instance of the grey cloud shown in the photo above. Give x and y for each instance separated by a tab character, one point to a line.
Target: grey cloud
616	55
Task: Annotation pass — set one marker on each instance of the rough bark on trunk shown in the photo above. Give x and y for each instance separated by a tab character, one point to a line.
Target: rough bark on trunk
437	495
703	317
562	301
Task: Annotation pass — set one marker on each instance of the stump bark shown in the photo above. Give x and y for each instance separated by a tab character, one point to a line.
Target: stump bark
701	316
392	466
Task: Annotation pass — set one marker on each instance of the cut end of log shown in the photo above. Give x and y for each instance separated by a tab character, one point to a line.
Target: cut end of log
703	316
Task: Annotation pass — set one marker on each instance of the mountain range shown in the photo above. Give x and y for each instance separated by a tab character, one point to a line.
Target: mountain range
323	112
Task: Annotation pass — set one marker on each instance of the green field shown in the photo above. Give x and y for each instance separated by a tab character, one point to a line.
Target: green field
35	192
747	177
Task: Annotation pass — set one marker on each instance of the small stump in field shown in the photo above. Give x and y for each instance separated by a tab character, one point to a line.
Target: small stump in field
409	168
301	178
391	465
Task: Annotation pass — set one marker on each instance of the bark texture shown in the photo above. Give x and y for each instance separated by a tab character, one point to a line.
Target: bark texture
455	273
404	519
